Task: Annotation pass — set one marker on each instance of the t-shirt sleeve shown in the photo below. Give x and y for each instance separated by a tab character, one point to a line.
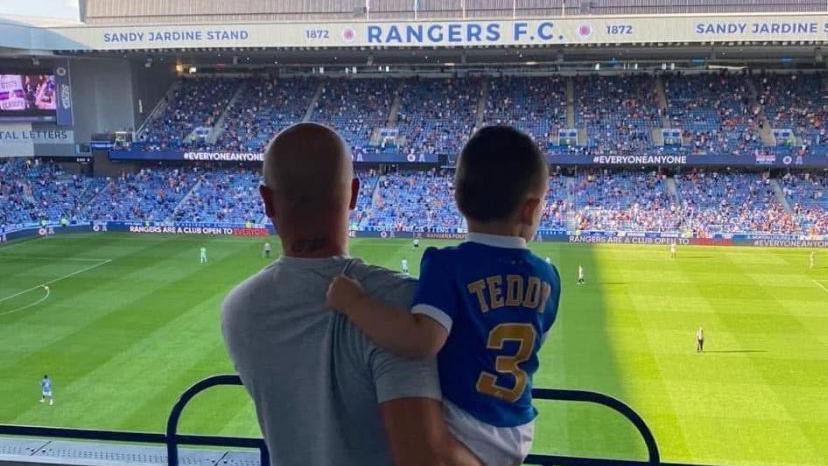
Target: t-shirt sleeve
396	377
435	296
551	311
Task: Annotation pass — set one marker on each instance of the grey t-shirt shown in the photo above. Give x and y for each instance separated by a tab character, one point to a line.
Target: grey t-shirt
316	380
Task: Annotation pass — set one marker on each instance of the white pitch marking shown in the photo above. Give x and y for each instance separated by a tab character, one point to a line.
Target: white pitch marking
44	298
85	269
820	285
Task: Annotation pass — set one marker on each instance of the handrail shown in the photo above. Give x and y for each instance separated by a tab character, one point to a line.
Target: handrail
604	400
172	439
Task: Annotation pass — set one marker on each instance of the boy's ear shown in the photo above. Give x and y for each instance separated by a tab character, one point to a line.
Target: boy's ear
530	207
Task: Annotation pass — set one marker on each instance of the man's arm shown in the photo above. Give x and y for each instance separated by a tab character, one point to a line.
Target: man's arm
418	435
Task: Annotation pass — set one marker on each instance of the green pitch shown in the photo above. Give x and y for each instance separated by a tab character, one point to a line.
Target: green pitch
129	322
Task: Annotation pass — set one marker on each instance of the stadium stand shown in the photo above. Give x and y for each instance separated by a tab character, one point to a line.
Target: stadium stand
150	195
704	202
196	103
355	107
806	193
265	107
625	201
536	106
715	202
794	101
618	113
717	113
437	115
32	192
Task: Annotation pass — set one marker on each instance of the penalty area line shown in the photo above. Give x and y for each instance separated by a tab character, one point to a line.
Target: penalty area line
23	308
821	285
85	269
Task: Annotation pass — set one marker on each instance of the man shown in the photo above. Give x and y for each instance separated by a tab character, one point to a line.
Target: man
46	390
672	250
203	256
811	259
325	394
404	266
416	243
267	249
548	260
700	340
581	274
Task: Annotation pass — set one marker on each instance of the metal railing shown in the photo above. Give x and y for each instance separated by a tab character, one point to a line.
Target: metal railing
172	439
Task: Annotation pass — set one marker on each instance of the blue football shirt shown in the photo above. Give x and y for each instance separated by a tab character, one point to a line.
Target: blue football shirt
497	300
46	385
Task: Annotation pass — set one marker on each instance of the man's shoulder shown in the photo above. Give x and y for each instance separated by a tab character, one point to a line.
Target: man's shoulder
247	291
384	283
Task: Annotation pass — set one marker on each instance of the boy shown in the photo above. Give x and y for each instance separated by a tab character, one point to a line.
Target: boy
484	305
46	390
203	257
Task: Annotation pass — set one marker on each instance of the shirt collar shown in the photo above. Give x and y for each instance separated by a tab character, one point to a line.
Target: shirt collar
497	241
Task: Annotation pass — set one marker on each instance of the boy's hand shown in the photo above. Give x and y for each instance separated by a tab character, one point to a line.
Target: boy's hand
343	293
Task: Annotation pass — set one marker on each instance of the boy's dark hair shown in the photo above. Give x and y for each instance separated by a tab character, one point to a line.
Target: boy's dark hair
498	167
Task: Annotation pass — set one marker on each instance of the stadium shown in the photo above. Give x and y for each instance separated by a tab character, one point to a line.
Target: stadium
687	146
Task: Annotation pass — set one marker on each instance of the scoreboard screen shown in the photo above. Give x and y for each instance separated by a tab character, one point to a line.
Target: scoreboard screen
28	96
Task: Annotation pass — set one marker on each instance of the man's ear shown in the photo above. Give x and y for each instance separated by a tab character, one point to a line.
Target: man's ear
354	193
267	198
529	210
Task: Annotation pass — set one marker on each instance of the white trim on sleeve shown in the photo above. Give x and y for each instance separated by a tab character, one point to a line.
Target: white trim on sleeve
435	313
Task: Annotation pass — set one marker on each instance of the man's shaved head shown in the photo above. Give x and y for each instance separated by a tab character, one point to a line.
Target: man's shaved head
309	187
308	167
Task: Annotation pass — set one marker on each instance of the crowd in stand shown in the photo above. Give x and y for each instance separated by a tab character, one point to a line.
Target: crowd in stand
625	201
702	203
618	114
536	106
718	114
716	202
264	107
355	108
194	104
436	115
222	196
807	194
33	192
150	195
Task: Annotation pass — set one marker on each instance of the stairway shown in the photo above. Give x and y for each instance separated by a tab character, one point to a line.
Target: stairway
183	201
481	104
780	196
570	103
571	220
158	110
218	128
312	104
672	189
395	106
661	98
765	133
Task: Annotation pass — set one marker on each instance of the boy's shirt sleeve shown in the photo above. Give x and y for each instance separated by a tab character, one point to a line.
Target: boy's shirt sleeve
551	311
435	296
